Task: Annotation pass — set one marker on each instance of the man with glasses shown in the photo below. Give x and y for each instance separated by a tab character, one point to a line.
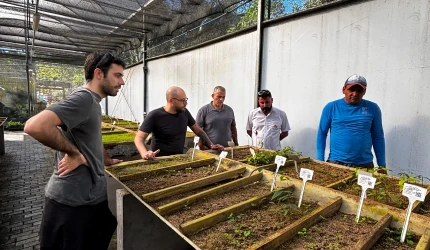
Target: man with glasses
76	213
217	120
267	125
168	126
355	125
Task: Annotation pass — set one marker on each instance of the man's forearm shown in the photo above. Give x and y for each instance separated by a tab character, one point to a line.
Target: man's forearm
234	135
53	138
204	137
139	142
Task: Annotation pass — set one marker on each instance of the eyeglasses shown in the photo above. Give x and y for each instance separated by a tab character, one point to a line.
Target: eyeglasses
264	93
181	100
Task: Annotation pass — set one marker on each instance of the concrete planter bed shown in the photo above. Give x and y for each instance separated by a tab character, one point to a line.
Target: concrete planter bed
237	211
120	145
388	190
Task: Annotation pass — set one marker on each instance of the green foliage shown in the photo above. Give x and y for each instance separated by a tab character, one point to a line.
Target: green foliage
302	233
250	16
282	195
15	125
395	235
61	72
117	137
262	158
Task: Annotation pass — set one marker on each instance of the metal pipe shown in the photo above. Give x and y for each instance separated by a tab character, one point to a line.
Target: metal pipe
27	58
145	70
259	57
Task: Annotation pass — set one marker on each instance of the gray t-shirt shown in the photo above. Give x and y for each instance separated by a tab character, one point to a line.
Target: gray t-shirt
216	123
86	185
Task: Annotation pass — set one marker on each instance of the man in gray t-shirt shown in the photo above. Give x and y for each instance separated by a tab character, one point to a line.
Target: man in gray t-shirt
76	214
217	120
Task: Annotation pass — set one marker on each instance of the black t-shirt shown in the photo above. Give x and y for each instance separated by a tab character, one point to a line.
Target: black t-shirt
168	130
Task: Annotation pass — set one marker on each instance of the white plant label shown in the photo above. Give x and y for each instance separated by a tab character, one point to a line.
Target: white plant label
230	143
280	161
306	175
414	193
113	124
196	140
221	156
366	182
252	152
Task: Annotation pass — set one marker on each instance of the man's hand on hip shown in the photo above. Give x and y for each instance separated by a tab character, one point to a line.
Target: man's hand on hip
70	163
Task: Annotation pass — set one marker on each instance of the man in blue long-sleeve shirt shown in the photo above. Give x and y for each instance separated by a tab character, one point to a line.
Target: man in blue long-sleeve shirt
355	125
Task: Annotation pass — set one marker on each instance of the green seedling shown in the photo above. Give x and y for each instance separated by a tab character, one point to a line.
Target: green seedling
311	245
333	245
302	233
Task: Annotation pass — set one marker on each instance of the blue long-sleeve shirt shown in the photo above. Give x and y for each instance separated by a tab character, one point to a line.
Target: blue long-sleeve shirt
353	131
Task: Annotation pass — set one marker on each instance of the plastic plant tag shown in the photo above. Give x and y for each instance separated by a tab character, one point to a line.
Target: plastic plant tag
221	156
366	182
231	144
196	140
414	193
252	152
305	175
280	161
113	124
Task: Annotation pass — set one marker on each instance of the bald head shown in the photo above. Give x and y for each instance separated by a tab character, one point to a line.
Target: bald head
174	92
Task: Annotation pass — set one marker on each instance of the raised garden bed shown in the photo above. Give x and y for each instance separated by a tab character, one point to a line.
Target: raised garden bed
324	175
168	178
337	232
117	137
391	240
244	229
232	210
388	190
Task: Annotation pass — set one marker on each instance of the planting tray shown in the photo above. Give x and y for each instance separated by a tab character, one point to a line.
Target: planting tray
233	209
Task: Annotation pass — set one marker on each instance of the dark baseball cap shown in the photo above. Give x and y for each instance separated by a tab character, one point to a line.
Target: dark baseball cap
356	80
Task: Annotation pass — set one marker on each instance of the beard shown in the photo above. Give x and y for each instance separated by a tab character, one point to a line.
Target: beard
266	109
179	109
107	89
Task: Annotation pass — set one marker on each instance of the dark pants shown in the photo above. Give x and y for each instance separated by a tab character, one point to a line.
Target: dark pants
78	228
366	165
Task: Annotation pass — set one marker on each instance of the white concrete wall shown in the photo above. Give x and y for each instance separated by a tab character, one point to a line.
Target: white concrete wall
306	61
230	64
131	93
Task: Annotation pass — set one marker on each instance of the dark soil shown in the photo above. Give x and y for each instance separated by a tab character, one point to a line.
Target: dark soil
189	193
128	170
160	181
337	232
391	240
211	204
323	174
243	230
387	192
425	209
240	153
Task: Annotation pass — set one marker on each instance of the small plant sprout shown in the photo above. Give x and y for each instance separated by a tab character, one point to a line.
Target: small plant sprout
302	233
311	245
